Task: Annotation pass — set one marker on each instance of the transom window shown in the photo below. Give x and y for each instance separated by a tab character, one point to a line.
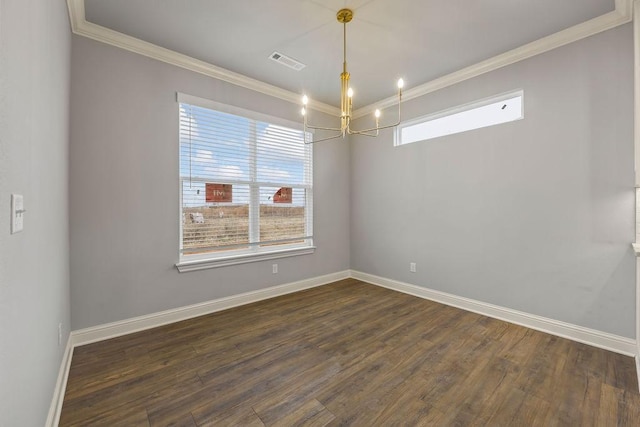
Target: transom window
487	112
245	186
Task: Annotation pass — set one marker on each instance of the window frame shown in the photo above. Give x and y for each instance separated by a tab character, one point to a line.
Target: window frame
397	135
254	253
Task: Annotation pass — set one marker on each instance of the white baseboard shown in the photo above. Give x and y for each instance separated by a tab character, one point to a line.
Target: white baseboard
615	343
638	367
53	418
136	324
592	337
618	344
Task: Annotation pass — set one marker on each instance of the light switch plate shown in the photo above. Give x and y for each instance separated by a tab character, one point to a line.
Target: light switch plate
17	213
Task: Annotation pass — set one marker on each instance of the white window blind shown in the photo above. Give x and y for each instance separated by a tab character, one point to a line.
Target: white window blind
245	183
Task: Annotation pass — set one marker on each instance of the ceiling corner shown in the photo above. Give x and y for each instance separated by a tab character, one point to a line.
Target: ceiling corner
80	26
621	15
625	8
76	14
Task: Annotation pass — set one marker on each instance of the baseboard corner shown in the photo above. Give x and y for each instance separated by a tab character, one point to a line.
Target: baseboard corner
55	409
136	324
595	338
637	359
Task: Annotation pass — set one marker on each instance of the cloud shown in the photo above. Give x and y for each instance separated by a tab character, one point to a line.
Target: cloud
274	174
188	125
281	142
204	156
225	172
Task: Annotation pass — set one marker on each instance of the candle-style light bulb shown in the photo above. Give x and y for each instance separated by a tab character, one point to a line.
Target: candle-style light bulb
350	93
305	100
377	113
400	83
303	111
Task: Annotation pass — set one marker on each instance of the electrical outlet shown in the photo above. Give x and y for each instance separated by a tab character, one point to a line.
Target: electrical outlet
274	268
59	334
412	267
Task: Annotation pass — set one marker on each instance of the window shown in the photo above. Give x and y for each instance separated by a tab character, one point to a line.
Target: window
245	186
488	112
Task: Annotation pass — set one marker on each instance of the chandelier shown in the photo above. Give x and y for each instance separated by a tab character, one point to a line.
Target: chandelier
346	98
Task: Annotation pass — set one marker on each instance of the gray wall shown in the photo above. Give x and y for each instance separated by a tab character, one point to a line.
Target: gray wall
535	215
35	51
124	191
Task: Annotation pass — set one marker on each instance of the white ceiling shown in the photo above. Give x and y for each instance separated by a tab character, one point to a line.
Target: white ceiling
419	40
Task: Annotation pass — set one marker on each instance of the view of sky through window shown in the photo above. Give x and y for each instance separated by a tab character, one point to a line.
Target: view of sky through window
280	158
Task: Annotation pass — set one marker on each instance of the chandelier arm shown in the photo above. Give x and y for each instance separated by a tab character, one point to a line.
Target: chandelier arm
346	97
323	128
364	133
324	139
378	128
358	132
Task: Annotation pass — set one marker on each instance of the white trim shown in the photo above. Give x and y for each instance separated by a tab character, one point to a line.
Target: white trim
468	106
636	92
609	20
136	324
53	418
636	147
256	250
80	26
77	14
93	334
625	7
636	249
184	98
451	111
203	264
611	342
637	358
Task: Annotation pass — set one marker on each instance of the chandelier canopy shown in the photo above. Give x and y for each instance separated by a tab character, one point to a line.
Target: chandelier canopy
346	98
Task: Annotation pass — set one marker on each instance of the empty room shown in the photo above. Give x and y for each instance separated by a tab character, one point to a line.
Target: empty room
301	212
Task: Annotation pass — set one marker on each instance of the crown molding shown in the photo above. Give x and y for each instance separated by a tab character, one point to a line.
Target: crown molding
621	15
80	26
625	8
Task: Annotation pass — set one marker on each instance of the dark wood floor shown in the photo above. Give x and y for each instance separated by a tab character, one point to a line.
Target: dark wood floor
348	353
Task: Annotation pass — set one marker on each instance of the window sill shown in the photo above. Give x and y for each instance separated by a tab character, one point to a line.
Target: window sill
203	264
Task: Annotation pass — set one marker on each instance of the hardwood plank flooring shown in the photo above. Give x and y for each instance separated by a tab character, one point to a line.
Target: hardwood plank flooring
347	353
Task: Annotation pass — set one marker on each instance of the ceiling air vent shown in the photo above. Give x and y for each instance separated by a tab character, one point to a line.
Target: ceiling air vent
287	61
